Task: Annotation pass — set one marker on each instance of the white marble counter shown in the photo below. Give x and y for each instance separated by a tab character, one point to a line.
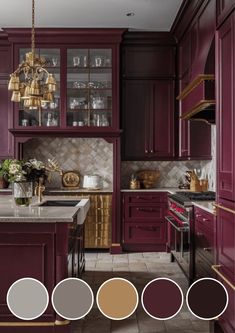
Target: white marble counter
170	190
54	191
205	205
9	212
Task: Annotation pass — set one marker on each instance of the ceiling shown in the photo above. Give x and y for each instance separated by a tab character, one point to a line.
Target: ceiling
156	15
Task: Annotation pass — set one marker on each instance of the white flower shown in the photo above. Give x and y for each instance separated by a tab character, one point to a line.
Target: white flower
14	168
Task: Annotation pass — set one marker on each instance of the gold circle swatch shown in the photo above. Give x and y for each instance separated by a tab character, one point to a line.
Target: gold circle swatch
117	298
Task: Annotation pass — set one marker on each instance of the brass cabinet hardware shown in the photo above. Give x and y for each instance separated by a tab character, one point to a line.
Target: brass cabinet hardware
224	208
198	215
205	220
216	269
35	323
146	151
151	151
192	85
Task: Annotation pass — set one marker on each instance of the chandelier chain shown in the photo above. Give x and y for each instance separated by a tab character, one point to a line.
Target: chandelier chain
33	29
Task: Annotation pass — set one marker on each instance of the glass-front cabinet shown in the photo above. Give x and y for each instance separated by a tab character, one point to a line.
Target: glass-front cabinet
49	114
85	64
89	87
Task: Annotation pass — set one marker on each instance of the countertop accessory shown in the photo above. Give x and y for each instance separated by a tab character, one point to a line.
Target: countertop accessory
92	182
70	179
148	178
134	182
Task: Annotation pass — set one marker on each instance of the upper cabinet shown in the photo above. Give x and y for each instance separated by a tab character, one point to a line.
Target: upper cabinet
6	138
148	61
225	109
85	64
224	8
148	85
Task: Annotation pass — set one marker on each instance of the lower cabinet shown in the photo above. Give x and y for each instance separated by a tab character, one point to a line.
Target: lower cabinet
143	223
226	260
48	252
204	243
98	222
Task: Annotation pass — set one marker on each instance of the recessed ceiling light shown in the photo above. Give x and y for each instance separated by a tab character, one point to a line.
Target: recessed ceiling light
130	14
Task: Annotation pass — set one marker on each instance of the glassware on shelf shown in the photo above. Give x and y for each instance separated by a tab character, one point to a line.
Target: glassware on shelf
76	61
85	61
104	120
97	102
98	61
51	119
55	62
24	122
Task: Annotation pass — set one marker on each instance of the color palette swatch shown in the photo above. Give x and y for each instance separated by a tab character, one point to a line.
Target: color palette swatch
27	298
72	298
117	298
207	298
162	298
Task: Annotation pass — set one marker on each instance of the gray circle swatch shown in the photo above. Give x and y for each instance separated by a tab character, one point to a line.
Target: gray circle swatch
72	298
27	298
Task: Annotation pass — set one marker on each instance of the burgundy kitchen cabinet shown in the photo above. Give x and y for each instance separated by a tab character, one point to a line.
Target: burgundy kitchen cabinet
85	63
48	252
224	8
143	225
226	259
6	140
226	109
148	119
204	243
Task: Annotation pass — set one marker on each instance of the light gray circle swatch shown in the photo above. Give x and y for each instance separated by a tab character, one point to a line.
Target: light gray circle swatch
72	298
27	298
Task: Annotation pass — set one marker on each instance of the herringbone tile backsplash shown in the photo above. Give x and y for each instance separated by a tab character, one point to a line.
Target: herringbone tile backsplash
95	156
87	156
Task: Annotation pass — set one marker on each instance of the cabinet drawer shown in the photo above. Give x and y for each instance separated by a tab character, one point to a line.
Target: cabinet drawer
144	233
204	219
146	197
148	213
204	244
203	267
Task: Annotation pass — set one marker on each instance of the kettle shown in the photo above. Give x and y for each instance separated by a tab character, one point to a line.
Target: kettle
92	182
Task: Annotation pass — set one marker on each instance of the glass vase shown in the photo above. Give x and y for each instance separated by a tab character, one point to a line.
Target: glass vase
23	193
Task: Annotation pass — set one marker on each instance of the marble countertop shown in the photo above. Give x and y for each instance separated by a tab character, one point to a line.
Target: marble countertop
65	190
205	205
9	212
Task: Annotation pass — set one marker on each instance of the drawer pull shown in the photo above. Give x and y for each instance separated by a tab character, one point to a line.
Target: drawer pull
207	249
144	198
216	269
146	210
224	208
198	215
151	151
72	227
205	220
146	151
199	234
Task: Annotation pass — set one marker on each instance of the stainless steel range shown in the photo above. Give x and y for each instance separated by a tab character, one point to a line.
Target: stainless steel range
180	227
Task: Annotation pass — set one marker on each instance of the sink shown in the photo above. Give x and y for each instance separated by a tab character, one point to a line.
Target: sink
60	203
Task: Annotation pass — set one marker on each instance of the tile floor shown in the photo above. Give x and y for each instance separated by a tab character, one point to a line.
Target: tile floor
139	268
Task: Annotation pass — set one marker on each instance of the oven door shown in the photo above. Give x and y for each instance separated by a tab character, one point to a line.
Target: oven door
178	241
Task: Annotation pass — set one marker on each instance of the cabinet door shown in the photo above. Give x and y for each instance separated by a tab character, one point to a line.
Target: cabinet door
162	134
49	114
5	115
89	87
226	109
136	119
224	7
226	239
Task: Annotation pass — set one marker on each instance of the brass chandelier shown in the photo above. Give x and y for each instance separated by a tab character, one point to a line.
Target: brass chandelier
31	82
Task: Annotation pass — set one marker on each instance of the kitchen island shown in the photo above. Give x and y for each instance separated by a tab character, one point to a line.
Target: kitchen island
45	243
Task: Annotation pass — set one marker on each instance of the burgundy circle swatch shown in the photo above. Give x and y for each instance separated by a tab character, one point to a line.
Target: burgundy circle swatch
207	298
162	298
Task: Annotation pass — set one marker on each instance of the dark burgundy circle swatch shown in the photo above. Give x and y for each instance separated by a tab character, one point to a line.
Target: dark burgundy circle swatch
207	298
162	298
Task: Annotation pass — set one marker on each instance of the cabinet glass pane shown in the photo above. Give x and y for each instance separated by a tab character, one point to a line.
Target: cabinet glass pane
49	113
89	87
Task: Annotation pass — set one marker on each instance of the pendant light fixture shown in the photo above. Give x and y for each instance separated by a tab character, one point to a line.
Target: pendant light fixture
31	82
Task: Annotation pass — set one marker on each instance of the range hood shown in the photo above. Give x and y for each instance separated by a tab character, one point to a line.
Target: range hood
198	99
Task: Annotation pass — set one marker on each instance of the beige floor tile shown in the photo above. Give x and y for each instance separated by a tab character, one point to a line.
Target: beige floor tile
177	325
